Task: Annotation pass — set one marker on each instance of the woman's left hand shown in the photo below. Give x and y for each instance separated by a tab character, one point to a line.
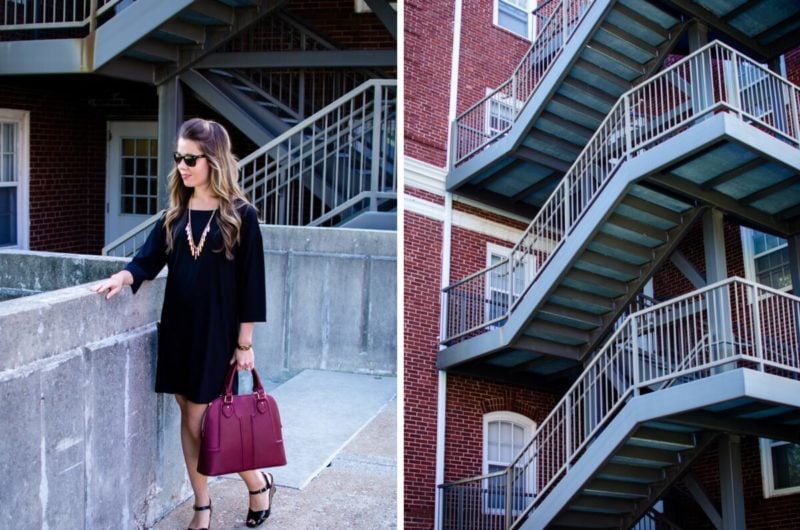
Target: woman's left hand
244	359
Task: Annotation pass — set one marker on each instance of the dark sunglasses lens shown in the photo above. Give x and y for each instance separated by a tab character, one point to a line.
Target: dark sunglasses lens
190	160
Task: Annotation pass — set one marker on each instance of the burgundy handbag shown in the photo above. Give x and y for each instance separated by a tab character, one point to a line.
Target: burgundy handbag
240	433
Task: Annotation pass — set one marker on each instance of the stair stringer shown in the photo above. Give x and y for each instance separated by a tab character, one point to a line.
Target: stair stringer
728	386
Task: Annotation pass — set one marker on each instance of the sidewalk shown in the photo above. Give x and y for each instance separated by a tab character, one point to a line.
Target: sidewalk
357	490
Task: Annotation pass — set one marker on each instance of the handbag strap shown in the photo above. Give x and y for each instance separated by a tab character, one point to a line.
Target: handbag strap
258	388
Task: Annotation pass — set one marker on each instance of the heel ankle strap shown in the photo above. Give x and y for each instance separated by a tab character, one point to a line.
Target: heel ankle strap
267	486
201	508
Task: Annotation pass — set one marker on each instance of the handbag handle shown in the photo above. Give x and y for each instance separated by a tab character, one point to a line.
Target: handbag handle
258	388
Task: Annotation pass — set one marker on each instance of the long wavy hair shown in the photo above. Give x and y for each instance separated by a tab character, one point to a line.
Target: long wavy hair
223	183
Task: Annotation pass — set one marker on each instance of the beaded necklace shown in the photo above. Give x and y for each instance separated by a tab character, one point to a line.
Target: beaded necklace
195	250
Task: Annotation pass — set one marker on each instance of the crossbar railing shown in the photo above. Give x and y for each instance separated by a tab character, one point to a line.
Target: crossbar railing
337	163
328	165
18	15
742	319
495	114
715	78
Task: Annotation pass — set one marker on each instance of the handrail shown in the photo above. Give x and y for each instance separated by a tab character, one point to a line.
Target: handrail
703	83
739	315
58	14
327	160
471	126
267	177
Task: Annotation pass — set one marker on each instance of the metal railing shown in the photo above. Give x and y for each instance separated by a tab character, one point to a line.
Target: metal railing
16	15
743	320
495	114
336	162
339	162
708	81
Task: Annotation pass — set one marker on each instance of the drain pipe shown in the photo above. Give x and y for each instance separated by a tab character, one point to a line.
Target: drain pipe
447	230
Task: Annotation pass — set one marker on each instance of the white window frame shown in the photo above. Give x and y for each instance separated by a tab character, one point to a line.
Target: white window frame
767	477
529	427
749	256
22	119
531	5
495	250
496	103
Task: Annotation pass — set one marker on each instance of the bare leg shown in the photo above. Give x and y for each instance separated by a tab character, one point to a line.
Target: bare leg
191	418
255	481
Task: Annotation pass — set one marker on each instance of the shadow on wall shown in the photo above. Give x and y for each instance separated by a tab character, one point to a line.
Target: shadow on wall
88	442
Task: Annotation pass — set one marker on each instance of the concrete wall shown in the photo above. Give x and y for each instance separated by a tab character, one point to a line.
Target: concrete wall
84	440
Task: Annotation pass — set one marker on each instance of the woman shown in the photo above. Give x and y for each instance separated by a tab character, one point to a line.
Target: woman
210	239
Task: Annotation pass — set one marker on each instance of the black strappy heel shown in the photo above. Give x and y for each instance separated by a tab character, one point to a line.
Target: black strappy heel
202	509
256	518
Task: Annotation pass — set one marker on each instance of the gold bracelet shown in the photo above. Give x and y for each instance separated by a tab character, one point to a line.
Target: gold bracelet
244	347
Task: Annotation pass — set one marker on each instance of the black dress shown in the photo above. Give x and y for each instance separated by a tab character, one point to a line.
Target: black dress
205	301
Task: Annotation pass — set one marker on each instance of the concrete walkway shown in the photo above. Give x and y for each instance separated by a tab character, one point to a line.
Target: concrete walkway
357	485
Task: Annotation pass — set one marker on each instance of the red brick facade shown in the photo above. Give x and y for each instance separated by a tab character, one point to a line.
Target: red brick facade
487	57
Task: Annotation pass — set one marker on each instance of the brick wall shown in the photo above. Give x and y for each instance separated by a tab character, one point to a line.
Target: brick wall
422	277
468	399
68	117
488	56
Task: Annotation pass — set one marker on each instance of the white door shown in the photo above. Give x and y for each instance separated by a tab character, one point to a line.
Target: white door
131	176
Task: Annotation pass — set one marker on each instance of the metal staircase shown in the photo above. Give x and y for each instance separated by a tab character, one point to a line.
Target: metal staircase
335	168
712	129
512	147
722	359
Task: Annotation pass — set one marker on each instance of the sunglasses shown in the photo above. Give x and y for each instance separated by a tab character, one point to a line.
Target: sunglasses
190	160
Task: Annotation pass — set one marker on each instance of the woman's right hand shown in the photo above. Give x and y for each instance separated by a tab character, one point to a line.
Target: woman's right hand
113	284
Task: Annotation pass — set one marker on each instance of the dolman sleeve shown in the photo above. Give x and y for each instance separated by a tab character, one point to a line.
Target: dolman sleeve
250	280
150	258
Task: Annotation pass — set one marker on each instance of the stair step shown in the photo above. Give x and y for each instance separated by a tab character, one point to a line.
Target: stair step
630	39
635	231
628	473
645	456
661	439
621	249
581	319
573	298
589	520
590	503
557	333
669	217
608	266
617	489
648	24
595	284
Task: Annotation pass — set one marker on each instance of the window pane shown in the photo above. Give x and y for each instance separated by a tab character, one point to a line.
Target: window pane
786	465
9	137
8	216
127	166
773	269
505	442
512	17
493	452
128	147
9	170
142	147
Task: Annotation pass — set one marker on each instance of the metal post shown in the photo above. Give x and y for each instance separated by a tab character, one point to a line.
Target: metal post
793	95
568	427
92	16
635	355
376	148
730	478
736	101
627	126
509	497
717	300
757	326
170	116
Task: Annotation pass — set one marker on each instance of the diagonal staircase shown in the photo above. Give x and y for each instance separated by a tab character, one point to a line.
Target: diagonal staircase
722	359
714	129
511	148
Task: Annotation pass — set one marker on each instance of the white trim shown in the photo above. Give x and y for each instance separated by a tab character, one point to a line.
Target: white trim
430	178
454	66
767	477
528	426
441	417
22	119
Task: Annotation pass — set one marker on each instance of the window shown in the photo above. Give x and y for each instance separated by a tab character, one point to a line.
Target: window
515	16
505	435
139	176
502	112
780	468
498	300
13	178
766	259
